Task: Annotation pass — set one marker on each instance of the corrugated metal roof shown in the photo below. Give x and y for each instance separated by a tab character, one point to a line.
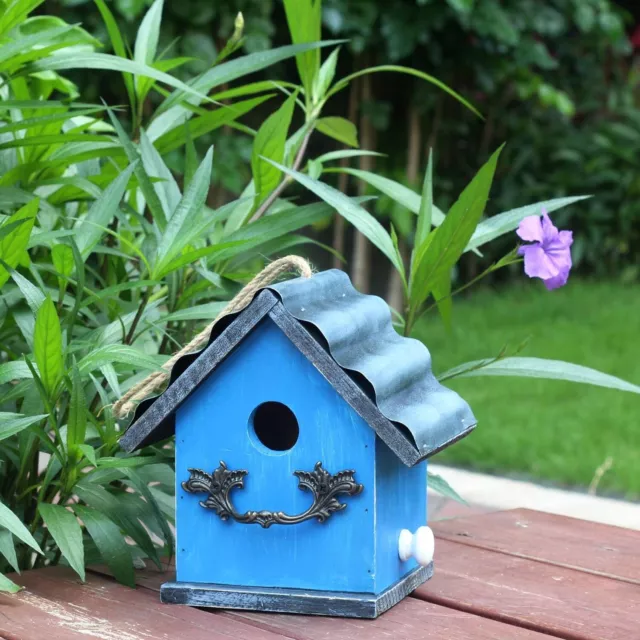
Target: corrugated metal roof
361	339
356	331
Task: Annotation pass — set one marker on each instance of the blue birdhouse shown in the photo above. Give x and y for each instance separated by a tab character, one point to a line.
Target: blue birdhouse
302	432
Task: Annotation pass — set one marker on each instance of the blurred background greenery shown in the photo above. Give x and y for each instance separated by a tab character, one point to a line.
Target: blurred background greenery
555	79
558	81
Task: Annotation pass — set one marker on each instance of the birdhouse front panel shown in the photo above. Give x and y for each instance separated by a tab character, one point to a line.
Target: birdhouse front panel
268	411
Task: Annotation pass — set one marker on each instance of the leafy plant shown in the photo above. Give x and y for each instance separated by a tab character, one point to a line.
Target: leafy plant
109	255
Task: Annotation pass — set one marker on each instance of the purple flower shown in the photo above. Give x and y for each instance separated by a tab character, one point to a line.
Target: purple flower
549	257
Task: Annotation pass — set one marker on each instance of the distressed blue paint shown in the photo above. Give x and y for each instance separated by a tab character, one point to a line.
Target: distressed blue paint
213	425
401	503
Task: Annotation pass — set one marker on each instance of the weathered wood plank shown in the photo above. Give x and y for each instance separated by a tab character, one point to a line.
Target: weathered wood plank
566	542
411	619
55	605
561	602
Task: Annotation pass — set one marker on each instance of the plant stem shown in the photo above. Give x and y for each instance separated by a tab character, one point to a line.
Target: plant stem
138	316
411	318
273	196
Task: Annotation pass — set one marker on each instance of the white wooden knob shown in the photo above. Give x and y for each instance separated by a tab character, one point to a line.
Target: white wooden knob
419	545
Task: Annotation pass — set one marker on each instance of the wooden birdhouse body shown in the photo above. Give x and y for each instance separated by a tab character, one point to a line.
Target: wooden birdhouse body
292	485
217	423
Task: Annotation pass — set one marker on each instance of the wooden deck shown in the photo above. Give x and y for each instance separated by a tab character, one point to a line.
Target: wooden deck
513	575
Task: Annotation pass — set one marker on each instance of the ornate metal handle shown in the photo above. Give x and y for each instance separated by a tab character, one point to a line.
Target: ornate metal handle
324	487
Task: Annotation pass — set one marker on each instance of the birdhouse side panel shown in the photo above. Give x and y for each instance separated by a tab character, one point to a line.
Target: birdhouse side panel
270	417
401	503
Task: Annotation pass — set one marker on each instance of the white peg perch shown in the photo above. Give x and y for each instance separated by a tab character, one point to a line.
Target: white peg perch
419	545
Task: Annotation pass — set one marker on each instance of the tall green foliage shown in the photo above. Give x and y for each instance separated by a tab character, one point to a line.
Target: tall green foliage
553	77
108	258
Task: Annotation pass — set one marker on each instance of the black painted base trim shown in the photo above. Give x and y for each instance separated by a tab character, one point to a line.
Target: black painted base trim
277	600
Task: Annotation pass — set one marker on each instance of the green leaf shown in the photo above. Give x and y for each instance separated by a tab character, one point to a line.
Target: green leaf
325	76
15	11
89	453
118	45
442	295
146	186
396	191
167	188
124	463
16	370
108	292
280	224
249	89
116	508
90	60
8	550
66	533
339	129
51	118
304	18
443	248
62	258
190	156
14	244
11	49
175	236
361	219
13	423
47	346
31	293
502	223
141	486
486	231
541	368
77	423
207	311
241	210
146	45
256	234
116	353
10	521
62	138
8	227
413	72
425	213
70	318
112	546
439	484
346	153
90	230
205	123
269	144
8	586
170	114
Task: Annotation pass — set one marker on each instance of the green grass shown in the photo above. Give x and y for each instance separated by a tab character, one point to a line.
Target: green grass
547	430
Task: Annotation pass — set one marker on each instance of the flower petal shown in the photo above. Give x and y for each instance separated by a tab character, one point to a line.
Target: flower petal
557	281
536	262
530	229
549	230
559	252
566	238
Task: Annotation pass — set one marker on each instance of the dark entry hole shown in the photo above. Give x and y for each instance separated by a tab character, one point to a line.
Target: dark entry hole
275	426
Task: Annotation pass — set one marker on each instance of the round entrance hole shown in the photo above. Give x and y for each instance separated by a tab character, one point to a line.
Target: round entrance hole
275	426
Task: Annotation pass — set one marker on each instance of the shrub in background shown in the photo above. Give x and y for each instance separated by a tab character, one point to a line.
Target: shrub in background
555	78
